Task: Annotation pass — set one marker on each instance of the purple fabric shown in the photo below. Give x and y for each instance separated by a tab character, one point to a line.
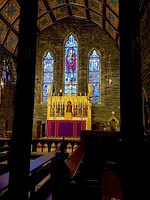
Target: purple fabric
80	126
78	129
61	128
69	129
52	129
65	129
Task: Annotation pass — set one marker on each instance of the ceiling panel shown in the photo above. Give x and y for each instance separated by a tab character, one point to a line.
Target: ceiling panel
44	22
96	18
78	11
96	5
11	41
104	13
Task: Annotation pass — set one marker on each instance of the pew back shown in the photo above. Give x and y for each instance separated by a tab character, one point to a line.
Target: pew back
4	155
74	161
40	168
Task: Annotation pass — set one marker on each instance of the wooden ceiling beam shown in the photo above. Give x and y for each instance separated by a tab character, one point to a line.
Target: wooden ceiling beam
87	9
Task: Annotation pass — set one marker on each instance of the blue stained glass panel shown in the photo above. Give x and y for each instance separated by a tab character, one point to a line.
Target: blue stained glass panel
95	99
45	90
70	88
7	74
95	89
94	75
48	73
48	66
48	78
68	80
45	99
71	64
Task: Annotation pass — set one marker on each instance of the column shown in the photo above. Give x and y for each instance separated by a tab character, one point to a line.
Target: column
131	101
24	102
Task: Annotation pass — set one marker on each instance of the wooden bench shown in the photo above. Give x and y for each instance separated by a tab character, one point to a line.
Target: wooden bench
4	156
111	187
39	169
4	141
64	177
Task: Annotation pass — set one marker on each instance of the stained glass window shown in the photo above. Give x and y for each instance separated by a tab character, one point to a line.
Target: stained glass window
71	65
94	75
48	73
7	74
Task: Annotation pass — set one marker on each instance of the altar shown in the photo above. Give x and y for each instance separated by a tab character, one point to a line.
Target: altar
67	128
68	115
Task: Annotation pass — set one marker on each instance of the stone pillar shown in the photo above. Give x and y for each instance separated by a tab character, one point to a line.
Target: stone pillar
19	164
131	101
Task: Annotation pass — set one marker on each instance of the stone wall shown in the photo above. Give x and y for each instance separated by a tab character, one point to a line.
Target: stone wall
7	110
145	61
7	98
89	36
145	48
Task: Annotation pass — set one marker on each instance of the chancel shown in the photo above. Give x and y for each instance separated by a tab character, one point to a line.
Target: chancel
68	115
77	106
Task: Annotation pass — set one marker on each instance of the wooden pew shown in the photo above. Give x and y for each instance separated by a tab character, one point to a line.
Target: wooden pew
74	161
111	187
65	175
40	168
4	156
106	146
4	141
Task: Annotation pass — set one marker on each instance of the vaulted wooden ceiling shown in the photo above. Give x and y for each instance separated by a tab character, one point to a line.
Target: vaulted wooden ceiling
104	13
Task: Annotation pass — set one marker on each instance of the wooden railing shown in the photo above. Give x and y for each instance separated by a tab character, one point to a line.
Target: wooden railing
50	144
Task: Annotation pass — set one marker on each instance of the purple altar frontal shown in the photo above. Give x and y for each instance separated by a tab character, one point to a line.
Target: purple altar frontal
64	128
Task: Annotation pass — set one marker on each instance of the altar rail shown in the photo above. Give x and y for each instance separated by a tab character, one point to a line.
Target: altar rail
44	145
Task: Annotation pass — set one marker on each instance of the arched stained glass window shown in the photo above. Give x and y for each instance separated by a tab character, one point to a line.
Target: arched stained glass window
71	65
48	73
7	74
94	75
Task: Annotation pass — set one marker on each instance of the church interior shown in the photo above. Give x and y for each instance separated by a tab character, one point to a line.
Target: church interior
76	72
